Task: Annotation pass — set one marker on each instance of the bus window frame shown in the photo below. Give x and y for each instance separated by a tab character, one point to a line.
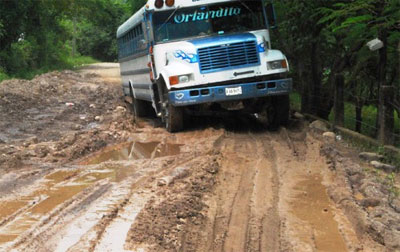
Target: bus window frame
265	21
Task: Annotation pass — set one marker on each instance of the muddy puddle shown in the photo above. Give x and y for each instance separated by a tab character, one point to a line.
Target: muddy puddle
137	150
312	205
18	216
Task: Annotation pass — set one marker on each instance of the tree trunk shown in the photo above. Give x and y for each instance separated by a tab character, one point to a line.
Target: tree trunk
74	37
339	100
386	113
316	81
397	107
305	94
359	105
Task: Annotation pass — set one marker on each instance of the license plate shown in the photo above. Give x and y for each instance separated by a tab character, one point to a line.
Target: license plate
233	91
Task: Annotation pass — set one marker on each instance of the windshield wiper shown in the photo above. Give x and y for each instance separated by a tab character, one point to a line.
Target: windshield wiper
247	7
170	16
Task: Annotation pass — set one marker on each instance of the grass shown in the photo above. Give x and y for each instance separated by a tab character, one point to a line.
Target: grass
79	61
295	101
368	128
368	117
369	113
3	76
65	63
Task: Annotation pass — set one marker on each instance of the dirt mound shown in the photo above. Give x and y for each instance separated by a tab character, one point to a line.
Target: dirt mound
58	116
367	195
172	220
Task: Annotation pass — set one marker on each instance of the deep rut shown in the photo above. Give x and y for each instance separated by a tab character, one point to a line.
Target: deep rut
246	216
221	191
271	196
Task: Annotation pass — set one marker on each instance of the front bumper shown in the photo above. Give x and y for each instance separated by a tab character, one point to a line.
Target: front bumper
194	96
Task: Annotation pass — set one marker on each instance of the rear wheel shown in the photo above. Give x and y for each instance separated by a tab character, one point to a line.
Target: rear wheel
139	107
173	118
278	111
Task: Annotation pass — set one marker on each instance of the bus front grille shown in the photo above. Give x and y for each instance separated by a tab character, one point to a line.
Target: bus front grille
228	56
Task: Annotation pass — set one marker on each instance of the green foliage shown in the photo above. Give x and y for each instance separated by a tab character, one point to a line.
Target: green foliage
66	62
326	38
74	62
3	76
295	101
135	5
96	33
44	35
369	113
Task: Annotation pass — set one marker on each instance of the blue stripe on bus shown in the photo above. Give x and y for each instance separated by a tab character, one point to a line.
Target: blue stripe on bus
218	40
218	93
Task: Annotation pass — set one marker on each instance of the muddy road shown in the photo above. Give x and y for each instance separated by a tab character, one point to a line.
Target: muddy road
77	175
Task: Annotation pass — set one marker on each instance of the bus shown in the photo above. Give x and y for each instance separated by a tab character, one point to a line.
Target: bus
181	57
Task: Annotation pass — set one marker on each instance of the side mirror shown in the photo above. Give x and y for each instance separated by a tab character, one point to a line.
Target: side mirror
271	18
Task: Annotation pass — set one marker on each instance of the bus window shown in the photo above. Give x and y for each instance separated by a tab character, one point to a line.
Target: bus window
221	18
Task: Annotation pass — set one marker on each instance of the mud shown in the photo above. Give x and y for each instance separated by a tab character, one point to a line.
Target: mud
83	177
312	206
136	150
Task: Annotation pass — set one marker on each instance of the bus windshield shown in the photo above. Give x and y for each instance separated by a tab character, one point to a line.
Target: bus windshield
221	18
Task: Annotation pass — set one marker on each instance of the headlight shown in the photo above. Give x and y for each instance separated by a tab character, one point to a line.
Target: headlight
173	80
184	78
277	64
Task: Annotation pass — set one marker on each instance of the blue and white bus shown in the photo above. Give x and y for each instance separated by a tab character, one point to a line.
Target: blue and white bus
187	56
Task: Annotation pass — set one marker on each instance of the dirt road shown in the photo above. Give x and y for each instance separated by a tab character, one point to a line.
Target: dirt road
78	175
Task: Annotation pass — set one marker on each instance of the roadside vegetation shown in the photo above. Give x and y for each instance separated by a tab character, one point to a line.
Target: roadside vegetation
327	39
37	36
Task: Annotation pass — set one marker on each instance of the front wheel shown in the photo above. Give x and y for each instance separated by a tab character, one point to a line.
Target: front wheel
174	118
278	111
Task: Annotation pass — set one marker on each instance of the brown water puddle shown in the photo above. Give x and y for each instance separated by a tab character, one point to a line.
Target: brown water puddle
9	207
312	205
61	186
137	150
7	238
53	195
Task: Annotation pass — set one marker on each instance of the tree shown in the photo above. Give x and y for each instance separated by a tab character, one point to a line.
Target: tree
362	20
97	30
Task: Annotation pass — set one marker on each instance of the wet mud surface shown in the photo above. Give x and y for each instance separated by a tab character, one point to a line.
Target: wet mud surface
83	177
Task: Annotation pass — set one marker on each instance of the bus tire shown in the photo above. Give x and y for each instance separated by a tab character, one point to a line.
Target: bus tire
174	118
278	111
139	107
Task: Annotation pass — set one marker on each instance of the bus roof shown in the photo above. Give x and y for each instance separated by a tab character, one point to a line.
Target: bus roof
138	16
182	3
131	22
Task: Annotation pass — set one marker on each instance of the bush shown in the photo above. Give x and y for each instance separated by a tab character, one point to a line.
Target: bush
3	76
295	101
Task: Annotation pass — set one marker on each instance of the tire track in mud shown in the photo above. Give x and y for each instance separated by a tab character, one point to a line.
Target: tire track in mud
268	184
246	218
82	226
118	218
238	219
84	220
245	188
310	219
270	195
